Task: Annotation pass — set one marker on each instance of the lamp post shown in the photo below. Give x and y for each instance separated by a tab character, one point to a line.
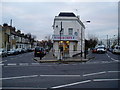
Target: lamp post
82	42
107	41
60	43
118	36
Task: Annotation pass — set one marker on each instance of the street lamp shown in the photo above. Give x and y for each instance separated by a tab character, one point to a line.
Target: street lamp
60	43
118	36
81	41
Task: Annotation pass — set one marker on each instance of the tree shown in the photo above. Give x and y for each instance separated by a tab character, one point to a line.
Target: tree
5	24
91	42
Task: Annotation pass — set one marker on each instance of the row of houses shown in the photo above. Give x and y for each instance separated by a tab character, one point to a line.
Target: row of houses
10	38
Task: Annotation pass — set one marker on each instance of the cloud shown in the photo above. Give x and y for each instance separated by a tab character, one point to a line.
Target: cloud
59	0
37	18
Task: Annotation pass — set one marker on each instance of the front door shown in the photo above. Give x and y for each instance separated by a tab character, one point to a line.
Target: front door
66	49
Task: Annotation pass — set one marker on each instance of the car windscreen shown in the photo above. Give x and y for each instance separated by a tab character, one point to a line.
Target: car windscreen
38	49
101	48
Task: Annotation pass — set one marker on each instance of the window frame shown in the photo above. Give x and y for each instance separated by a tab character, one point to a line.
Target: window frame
70	31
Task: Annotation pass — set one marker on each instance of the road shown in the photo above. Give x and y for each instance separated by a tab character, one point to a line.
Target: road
21	71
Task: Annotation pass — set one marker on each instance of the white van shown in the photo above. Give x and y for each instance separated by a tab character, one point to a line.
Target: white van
116	49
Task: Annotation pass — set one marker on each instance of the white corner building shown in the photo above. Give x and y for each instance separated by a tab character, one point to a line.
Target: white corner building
69	33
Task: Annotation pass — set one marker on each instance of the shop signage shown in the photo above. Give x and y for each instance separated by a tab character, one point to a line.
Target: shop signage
64	37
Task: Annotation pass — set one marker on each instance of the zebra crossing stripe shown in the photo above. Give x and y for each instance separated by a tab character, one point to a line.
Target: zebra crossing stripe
11	64
35	63
23	64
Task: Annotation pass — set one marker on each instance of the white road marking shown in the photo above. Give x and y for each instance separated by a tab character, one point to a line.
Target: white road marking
94	73
18	77
38	64
59	75
112	58
22	87
115	60
71	84
23	64
108	55
35	63
113	71
105	80
11	64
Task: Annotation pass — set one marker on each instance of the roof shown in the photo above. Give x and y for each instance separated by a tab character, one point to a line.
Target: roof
67	14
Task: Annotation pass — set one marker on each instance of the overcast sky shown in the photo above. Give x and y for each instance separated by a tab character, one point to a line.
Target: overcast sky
37	17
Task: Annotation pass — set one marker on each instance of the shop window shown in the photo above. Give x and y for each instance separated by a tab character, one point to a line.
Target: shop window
75	47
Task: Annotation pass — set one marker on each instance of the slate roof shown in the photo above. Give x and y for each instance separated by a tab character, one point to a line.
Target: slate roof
67	14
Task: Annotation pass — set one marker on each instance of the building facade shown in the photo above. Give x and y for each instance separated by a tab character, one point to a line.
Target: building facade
69	35
10	38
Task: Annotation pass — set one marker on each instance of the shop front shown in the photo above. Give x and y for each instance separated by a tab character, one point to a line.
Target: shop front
67	46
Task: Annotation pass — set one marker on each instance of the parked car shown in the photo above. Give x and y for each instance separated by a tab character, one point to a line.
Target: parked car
24	50
32	49
12	52
110	49
39	52
29	50
94	50
116	49
19	50
3	53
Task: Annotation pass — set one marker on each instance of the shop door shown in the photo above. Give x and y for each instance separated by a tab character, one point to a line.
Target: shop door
66	49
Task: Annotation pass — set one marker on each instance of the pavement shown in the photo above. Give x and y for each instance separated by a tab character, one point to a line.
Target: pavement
49	58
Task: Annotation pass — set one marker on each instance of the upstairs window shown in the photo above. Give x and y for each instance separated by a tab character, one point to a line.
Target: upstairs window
70	31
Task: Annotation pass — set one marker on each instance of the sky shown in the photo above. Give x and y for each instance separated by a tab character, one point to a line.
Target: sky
37	17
